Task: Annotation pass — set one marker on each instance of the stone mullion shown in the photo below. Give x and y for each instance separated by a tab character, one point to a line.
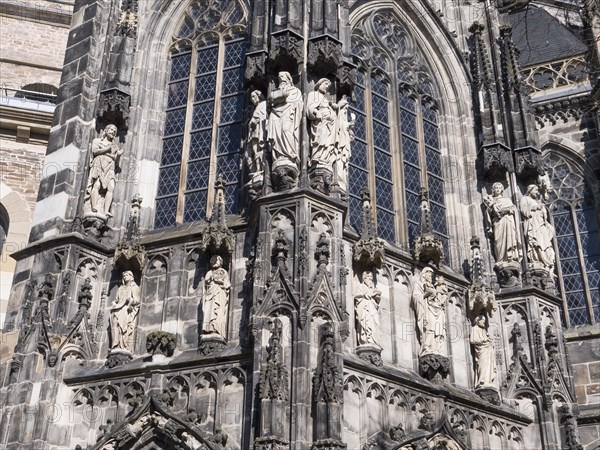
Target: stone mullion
187	136
212	168
370	143
397	166
421	142
581	258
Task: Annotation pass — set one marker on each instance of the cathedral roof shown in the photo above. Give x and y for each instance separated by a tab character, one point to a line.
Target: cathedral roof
541	37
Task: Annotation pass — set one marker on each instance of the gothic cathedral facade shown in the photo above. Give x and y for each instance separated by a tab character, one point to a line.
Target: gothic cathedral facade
320	224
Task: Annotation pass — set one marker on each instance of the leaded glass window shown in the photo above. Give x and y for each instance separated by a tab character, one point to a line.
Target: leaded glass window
394	161
577	240
203	120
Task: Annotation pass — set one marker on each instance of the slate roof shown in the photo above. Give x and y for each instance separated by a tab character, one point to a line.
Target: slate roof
542	38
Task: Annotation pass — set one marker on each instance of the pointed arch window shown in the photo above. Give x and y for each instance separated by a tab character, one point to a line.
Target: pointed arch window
394	162
577	240
202	132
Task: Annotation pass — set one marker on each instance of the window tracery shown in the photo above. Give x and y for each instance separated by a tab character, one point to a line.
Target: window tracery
577	241
202	131
394	85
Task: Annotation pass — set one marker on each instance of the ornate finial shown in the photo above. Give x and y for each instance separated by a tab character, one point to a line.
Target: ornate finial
481	296
322	252
218	239
369	250
129	254
428	247
274	374
85	293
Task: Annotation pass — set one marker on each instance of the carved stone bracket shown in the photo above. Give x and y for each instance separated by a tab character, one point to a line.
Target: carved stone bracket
489	395
113	107
211	344
218	239
528	163
94	225
541	278
285	51
324	55
370	353
117	358
496	159
369	250
428	247
434	367
161	343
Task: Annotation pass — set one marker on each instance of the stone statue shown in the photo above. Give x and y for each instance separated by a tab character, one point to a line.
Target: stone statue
538	231
123	313
502	214
324	124
429	302
366	303
485	373
283	126
101	179
216	299
257	134
345	135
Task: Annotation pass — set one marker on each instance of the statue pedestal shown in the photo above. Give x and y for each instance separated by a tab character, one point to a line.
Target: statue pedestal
508	274
489	394
117	358
284	175
434	367
370	353
321	178
211	344
542	278
94	224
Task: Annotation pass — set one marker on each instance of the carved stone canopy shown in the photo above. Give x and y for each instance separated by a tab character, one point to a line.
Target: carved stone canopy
496	159
218	238
428	247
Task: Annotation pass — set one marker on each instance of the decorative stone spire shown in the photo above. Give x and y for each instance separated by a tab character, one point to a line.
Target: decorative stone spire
428	247
274	394
218	239
369	250
328	395
527	156
495	156
481	296
129	254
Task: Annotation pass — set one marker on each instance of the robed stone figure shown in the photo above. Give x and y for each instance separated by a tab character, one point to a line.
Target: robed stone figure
502	213
429	303
283	126
366	304
485	370
216	298
123	314
538	230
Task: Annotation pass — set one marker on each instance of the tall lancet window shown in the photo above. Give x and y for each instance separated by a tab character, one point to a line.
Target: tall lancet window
394	86
202	132
577	240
